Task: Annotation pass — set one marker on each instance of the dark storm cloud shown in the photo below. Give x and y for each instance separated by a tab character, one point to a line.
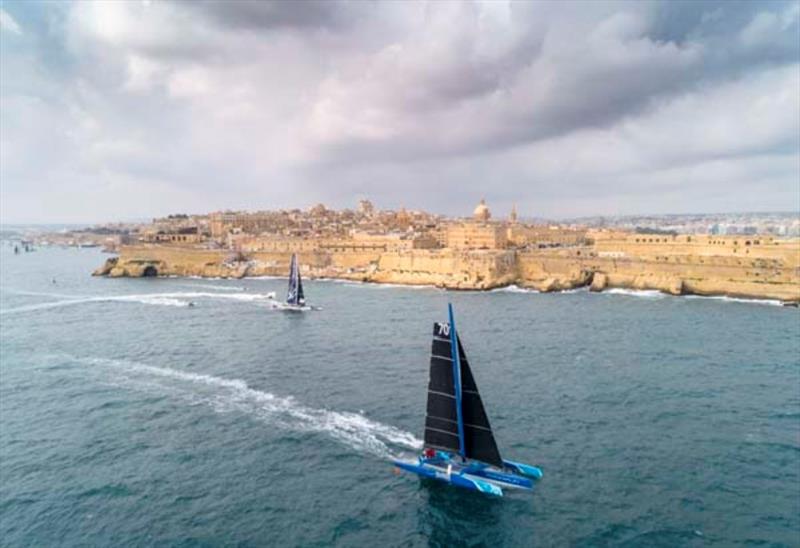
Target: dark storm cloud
269	14
590	73
567	106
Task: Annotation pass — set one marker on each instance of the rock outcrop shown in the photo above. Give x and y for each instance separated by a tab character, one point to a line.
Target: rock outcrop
599	282
107	267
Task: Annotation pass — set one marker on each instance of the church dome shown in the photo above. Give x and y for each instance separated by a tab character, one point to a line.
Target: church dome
482	212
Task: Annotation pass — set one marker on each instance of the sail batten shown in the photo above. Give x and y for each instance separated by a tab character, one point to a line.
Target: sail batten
448	427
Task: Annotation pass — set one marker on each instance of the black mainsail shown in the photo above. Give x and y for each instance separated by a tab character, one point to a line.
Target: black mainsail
441	419
456	420
295	295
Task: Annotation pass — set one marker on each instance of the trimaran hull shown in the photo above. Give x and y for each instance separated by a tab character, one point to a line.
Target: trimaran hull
483	479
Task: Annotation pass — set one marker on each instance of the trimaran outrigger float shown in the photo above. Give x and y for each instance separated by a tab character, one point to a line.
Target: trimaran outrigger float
459	446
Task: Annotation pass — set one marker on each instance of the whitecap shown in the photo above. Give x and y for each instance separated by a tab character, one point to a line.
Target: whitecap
767	302
513	289
641	293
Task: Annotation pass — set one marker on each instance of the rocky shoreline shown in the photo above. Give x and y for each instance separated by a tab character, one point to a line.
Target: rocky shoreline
478	271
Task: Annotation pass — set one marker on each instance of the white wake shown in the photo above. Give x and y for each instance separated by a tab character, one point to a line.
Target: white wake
233	395
185	298
217	287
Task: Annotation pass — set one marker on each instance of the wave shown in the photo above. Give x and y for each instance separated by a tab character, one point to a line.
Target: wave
234	395
159	299
582	289
340	281
36	293
767	302
513	289
641	293
655	294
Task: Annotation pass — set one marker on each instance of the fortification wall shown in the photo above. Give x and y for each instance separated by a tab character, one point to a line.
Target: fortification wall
743	247
448	268
170	260
164	260
543	269
564	269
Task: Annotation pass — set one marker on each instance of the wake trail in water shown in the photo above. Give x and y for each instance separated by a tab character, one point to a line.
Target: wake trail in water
159	299
234	395
216	287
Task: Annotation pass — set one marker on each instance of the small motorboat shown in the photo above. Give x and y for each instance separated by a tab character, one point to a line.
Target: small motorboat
459	446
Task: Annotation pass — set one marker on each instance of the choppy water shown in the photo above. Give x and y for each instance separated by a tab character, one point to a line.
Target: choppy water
128	417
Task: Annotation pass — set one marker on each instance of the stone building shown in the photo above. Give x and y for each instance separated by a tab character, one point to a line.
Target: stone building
223	222
521	235
659	246
482	213
184	235
472	235
477	233
366	208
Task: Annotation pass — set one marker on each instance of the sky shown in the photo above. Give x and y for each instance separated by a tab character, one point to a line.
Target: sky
119	110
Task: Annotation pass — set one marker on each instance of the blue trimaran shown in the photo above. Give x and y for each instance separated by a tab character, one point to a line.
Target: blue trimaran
459	445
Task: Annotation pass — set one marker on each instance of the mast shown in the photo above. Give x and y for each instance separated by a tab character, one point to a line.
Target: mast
301	298
456	378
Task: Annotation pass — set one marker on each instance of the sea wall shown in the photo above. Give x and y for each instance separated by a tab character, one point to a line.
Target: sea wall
444	268
680	274
448	268
776	276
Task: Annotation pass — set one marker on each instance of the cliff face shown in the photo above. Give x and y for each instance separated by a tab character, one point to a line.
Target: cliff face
448	268
545	270
674	275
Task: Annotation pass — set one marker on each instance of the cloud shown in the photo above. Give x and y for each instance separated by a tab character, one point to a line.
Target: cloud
8	23
270	14
560	107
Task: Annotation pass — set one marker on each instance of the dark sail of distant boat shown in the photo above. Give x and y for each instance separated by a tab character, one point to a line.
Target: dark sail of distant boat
295	295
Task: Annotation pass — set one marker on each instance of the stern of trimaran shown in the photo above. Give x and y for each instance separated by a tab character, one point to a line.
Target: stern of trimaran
459	445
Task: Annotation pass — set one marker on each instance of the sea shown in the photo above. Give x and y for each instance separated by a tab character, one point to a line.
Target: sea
188	412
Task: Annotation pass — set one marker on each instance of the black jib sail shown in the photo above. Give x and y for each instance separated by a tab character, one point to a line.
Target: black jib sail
441	421
295	294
